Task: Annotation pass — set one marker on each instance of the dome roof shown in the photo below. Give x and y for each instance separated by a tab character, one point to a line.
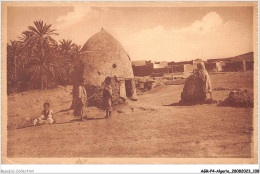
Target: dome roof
104	56
102	41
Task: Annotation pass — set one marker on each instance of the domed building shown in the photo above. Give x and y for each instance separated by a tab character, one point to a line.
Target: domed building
103	56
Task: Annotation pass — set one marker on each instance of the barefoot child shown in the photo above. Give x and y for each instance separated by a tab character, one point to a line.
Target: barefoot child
82	100
46	116
107	97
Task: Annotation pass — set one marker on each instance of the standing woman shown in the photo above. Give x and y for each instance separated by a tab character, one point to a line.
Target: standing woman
204	85
107	97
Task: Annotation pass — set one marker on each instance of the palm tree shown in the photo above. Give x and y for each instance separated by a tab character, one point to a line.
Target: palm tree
69	52
12	53
15	59
66	47
38	46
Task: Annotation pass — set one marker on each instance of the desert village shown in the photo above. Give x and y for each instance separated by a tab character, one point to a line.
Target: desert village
146	123
181	70
238	63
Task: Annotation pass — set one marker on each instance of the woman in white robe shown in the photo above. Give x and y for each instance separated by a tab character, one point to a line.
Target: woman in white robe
204	80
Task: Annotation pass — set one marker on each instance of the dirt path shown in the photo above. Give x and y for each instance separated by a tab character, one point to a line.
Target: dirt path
150	127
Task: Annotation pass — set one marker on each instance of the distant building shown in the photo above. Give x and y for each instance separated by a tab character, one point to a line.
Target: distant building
140	62
238	63
235	66
183	66
216	66
142	68
180	68
180	63
249	65
158	65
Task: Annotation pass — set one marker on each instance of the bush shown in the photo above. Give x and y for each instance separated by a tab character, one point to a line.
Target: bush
239	98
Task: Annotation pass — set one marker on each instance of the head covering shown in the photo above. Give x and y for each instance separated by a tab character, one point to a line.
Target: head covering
201	66
108	80
202	73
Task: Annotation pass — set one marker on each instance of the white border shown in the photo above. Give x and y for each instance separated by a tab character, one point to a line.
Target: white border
151	168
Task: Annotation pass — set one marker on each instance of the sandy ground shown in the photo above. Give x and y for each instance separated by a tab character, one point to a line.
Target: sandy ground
153	126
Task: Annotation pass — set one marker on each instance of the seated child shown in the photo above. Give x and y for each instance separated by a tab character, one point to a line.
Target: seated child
46	116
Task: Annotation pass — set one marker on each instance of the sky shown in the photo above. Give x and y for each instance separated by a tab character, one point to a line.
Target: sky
148	33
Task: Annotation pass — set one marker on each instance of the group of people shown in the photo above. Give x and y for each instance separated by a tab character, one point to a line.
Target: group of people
81	99
47	115
197	89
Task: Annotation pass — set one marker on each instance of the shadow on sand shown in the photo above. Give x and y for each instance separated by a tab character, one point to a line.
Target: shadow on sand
22	127
71	121
86	118
64	110
208	101
178	104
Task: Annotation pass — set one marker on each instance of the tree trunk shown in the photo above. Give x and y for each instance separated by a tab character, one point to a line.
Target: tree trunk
72	106
46	82
42	82
15	73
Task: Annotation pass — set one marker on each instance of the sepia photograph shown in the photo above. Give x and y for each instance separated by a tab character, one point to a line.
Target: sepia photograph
129	82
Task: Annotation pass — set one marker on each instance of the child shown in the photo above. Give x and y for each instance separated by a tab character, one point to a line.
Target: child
46	116
107	97
82	100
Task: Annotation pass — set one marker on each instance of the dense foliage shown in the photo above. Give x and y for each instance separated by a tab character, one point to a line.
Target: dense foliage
36	61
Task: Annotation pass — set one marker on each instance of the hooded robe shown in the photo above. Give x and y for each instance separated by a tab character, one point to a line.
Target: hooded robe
196	86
